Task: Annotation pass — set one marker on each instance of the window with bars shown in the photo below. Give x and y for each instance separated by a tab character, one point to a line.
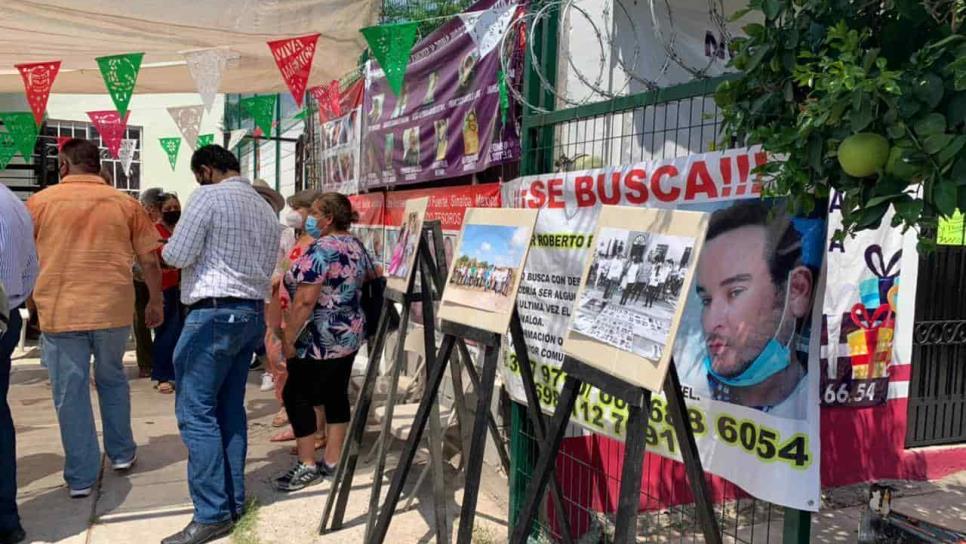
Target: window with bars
54	129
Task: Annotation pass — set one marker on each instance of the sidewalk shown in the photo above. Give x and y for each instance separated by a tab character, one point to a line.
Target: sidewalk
152	501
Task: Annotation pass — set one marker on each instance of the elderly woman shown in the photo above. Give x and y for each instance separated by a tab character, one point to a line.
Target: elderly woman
323	331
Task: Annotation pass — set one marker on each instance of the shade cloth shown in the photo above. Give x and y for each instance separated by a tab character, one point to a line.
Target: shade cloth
78	32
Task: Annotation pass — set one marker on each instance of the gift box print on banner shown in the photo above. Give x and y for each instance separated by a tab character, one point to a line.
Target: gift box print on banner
859	314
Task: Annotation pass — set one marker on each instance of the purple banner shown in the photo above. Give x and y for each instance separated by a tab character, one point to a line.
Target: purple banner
447	121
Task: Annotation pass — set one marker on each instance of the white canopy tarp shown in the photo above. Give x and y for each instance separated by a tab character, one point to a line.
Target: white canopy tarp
76	32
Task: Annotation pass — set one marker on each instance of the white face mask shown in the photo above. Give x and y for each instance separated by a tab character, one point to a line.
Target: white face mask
293	219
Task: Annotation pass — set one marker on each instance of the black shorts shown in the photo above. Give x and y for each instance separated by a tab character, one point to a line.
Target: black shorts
312	383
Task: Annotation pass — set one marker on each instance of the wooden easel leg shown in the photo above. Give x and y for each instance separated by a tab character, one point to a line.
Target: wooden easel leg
435	432
692	460
357	425
537	420
630	489
546	460
474	460
490	422
385	438
412	442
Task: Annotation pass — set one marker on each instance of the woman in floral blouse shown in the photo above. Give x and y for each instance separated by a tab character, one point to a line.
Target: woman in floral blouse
323	331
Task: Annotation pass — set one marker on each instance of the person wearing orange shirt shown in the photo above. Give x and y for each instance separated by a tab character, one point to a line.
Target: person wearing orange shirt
88	235
166	336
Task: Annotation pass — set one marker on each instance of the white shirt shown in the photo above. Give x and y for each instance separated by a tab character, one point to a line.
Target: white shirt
18	255
226	243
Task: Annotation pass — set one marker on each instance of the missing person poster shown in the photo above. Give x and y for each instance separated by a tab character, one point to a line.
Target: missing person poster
339	153
447	120
745	351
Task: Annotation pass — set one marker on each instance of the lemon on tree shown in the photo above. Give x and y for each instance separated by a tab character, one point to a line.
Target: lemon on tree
863	154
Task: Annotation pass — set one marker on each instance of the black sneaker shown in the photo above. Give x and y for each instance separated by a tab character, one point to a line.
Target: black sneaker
299	477
325	469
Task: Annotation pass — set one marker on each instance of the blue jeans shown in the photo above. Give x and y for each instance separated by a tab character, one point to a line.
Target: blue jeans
9	519
166	337
211	368
68	359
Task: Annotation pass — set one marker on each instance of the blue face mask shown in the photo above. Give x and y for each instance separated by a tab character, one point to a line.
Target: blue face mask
312	227
772	360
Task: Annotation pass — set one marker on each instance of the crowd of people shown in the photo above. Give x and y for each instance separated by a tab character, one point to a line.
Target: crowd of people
488	277
206	292
652	278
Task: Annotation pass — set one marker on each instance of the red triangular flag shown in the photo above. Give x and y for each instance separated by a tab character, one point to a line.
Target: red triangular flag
257	133
329	99
61	140
38	78
111	127
294	59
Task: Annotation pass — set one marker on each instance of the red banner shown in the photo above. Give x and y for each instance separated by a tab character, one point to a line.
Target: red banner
61	140
111	127
294	59
446	204
38	78
370	208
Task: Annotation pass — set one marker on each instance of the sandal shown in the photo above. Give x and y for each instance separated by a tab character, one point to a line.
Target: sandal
285	436
280	419
165	388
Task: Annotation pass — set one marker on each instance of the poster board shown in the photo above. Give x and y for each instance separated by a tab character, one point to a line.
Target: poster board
617	327
785	449
487	267
399	266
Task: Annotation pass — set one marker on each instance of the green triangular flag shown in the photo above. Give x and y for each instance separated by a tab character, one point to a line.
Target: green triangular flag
171	147
120	74
23	129
262	110
301	115
8	148
504	95
391	45
205	139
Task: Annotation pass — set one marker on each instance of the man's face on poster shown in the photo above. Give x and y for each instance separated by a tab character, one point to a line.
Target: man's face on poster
743	307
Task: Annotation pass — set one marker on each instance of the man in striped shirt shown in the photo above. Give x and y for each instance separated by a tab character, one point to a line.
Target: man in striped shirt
18	271
225	245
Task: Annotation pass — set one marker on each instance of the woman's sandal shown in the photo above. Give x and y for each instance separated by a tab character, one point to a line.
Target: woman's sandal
320	442
280	419
284	436
165	388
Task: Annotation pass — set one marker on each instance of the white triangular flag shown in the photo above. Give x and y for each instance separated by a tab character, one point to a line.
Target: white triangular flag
188	119
126	154
235	137
206	67
487	27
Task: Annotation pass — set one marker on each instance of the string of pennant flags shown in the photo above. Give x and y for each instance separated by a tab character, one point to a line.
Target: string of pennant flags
390	44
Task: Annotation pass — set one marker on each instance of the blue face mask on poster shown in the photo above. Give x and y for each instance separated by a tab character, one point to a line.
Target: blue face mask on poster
312	227
774	358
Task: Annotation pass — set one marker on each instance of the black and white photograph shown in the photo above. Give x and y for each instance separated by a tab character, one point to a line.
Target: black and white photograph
632	288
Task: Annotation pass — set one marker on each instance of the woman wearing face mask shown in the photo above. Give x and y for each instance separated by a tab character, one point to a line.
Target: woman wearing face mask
323	332
166	336
305	232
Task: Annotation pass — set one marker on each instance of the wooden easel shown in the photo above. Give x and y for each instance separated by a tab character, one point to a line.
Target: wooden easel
432	278
457	334
638	404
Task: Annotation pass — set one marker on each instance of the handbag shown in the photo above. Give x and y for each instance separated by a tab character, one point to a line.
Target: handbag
373	293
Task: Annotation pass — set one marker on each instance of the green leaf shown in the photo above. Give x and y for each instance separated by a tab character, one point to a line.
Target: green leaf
871	216
958	172
934	143
754	30
757	57
929	89
934	123
739	14
949	152
896	131
772	8
908	209
944	197
956	110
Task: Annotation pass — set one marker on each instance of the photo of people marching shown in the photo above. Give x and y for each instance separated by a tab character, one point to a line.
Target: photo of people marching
482	275
632	286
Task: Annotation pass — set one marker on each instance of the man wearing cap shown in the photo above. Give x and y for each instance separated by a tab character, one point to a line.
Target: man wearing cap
226	246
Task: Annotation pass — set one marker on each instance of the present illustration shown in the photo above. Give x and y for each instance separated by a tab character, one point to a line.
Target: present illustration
874	292
870	346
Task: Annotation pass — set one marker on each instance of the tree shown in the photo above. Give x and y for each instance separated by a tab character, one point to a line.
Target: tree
816	72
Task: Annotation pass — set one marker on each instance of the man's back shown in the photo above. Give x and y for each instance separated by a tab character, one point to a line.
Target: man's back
18	259
226	243
88	235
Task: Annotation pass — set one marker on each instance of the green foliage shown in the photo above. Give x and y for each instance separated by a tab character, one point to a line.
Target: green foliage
817	71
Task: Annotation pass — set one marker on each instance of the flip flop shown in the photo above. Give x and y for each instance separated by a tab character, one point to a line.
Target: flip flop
320	442
285	436
280	419
165	388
